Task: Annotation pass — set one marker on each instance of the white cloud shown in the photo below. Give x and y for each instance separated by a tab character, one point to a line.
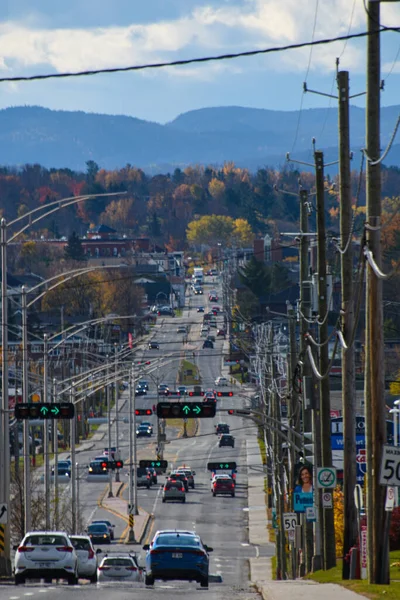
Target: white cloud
254	24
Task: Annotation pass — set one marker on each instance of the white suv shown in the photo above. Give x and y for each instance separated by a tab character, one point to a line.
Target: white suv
46	555
87	559
221	381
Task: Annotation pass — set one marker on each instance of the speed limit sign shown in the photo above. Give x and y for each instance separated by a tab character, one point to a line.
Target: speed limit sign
289	521
390	466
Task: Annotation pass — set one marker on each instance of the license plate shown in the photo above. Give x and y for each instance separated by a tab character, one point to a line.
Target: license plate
44	565
177	555
117	568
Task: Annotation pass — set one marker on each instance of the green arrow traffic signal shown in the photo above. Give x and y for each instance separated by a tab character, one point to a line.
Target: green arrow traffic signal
55	410
186	409
44	410
197	410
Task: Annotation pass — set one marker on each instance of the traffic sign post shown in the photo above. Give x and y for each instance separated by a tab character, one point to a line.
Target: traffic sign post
327	500
390	466
326	477
289	521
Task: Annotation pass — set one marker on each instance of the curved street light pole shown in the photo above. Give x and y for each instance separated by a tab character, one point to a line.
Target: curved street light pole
5	565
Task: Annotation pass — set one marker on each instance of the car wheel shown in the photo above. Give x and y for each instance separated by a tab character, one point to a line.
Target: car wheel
72	579
214	494
93	578
163	500
183	500
148	487
19	579
233	494
193	487
148	580
204	583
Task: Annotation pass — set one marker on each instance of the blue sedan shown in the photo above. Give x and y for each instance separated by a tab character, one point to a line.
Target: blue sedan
177	555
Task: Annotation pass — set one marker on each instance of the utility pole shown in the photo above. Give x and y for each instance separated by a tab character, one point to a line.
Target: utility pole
110	490
56	496
73	465
305	314
117	456
293	417
348	367
131	433
25	398
329	553
375	380
46	437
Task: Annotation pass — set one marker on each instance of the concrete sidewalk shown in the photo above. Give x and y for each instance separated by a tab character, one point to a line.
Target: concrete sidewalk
118	506
260	567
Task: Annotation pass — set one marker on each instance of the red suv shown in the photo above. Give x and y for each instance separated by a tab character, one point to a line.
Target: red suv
223	485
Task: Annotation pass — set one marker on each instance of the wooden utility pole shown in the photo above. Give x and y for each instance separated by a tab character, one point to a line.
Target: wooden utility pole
375	383
329	549
348	373
293	418
305	307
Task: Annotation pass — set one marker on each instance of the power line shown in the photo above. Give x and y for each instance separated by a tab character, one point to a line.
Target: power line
189	61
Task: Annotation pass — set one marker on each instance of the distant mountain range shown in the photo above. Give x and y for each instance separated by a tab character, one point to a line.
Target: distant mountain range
250	137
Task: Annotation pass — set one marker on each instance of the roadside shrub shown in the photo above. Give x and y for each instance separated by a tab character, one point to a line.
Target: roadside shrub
394	534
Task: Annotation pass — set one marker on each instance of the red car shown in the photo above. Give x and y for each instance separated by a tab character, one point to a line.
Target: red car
223	485
221	333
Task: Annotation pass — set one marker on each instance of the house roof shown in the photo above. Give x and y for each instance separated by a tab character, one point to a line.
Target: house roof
11	280
102	229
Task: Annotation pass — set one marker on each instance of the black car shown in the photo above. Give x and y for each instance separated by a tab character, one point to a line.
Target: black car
140	391
99	533
143	383
109	525
222	428
154	346
226	440
208	344
200	309
143	431
63	468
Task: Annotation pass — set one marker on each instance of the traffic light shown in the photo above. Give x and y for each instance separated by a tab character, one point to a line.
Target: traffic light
118	464
44	410
196	393
155	464
219	394
239	411
181	410
105	464
217	466
143	411
231	411
308	448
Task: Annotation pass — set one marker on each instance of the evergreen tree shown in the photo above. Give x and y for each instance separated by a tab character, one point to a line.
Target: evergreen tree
73	250
256	276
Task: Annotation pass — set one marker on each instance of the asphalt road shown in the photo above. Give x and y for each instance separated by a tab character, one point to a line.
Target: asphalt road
222	521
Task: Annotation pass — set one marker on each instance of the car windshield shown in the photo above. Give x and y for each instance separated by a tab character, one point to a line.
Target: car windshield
177	540
80	544
173	484
46	540
99	527
120	562
141	472
102	522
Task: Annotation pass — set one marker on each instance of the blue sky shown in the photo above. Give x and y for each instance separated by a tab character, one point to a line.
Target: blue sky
36	37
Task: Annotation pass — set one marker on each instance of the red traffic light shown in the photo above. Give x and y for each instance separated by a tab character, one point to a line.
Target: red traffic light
119	464
231	411
143	411
191	393
104	465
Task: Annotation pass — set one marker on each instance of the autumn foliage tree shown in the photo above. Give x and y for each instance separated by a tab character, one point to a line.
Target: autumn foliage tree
213	229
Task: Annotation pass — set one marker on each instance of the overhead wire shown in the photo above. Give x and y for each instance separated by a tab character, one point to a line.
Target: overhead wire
188	61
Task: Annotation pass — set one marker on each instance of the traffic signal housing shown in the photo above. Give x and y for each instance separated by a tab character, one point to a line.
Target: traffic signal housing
182	410
112	464
155	464
143	411
219	394
222	465
44	410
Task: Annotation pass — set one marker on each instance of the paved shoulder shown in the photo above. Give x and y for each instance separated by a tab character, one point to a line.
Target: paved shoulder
307	590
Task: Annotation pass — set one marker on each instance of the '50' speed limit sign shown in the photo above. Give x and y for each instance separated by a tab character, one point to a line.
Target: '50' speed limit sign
289	521
390	466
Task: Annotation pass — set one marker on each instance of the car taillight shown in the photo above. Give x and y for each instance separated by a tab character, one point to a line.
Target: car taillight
182	489
64	548
91	553
232	485
104	568
130	568
25	549
155	551
197	552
